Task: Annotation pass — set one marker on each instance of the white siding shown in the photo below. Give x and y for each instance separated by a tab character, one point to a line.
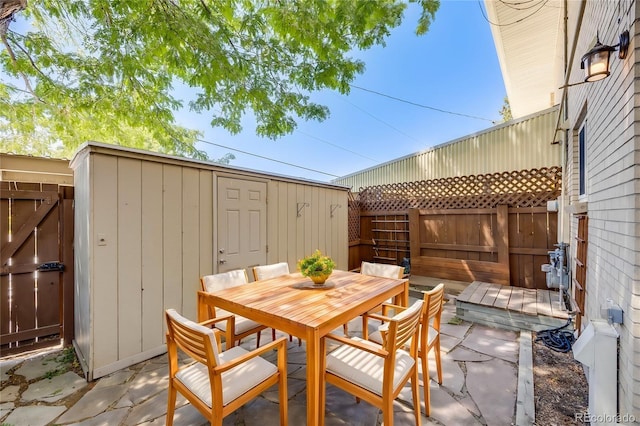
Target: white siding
613	183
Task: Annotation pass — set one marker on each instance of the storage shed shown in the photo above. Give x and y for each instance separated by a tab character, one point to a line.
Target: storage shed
147	226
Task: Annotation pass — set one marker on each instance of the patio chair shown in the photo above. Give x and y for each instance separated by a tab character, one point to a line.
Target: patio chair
378	270
264	272
377	373
429	336
217	383
242	327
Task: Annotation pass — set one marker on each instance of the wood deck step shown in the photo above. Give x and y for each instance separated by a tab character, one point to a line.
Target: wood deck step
514	308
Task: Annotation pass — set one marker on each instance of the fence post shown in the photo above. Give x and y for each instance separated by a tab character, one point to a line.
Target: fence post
414	234
502	240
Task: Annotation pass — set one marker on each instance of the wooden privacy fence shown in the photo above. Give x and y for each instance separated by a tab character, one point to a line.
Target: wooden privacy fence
493	227
36	265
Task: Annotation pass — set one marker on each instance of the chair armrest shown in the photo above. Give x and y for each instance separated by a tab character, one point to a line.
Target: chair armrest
367	347
221	318
279	344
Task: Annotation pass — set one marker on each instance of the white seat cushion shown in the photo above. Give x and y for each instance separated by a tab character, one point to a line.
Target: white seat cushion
365	369
235	382
377	337
242	324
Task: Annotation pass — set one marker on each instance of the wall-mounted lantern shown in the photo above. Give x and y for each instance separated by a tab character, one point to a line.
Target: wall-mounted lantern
595	62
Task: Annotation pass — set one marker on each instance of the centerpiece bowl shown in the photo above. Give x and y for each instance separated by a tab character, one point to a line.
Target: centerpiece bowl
317	267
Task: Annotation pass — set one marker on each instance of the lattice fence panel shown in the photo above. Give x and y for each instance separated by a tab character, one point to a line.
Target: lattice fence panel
354	218
524	188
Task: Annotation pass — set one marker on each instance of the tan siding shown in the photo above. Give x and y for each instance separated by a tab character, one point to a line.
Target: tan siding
22	168
158	219
190	240
205	217
152	272
82	259
172	237
519	145
104	276
129	254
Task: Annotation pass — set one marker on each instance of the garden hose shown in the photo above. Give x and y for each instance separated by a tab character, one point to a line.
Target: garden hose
558	339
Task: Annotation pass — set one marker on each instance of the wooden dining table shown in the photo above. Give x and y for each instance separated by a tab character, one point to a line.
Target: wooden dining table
291	304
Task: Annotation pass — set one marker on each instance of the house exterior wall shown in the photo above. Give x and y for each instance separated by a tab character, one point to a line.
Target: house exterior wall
24	168
146	232
609	110
520	144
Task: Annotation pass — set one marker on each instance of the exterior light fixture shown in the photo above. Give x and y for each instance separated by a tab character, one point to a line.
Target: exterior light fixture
595	62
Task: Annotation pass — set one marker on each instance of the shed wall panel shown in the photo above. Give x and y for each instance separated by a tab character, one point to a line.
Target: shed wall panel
151	256
104	274
83	320
172	237
205	218
190	239
129	255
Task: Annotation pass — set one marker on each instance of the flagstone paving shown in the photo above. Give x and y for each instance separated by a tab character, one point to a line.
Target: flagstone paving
480	368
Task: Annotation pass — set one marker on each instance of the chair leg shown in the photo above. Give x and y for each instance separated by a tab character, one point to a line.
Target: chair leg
387	412
345	330
171	403
258	339
436	348
415	390
299	341
273	334
284	402
426	383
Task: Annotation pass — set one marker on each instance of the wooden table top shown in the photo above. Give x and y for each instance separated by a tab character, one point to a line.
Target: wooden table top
281	303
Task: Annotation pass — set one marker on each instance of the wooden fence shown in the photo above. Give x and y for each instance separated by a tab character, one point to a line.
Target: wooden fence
36	266
493	228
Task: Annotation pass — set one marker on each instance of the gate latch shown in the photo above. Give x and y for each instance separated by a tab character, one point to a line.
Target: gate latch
51	266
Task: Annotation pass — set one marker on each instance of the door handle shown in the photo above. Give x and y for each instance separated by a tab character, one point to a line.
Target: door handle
222	261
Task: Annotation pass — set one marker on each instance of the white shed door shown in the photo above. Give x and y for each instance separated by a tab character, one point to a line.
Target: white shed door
242	224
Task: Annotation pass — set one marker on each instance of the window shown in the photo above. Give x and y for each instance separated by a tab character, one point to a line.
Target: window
582	161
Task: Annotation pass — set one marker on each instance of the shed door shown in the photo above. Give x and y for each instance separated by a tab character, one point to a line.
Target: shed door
242	224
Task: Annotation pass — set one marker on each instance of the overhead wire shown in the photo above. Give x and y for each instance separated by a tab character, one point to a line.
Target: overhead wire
378	119
542	4
421	105
266	158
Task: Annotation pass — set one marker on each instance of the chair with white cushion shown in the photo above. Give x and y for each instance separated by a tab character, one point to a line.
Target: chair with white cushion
383	270
217	383
264	272
429	336
242	326
377	373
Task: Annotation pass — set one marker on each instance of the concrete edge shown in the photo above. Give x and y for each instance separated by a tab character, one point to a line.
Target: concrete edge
525	405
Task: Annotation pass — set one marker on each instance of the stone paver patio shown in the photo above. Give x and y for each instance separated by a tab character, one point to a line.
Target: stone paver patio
480	382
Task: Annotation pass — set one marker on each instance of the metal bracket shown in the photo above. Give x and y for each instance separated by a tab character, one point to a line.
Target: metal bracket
333	208
300	207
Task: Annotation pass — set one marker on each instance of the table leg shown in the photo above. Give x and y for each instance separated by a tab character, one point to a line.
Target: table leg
313	378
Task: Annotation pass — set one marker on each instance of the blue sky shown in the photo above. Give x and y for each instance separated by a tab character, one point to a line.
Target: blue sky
453	67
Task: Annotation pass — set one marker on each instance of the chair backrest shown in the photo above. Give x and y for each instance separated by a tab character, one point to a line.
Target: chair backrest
402	327
216	282
196	340
381	270
433	302
264	272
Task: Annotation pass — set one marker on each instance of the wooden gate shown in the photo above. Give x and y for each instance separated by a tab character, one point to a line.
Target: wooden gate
36	266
